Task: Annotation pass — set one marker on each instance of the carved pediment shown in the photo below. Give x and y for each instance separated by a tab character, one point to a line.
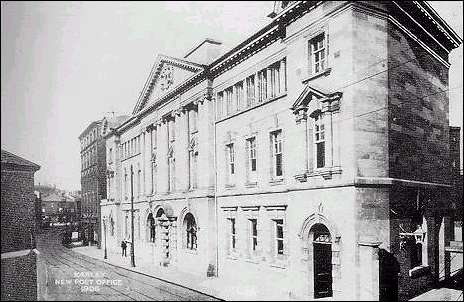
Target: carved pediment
193	144
167	74
312	99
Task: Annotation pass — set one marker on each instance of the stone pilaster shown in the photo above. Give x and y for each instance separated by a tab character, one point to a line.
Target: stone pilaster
206	143
299	144
336	138
283	75
327	120
162	157
268	83
181	146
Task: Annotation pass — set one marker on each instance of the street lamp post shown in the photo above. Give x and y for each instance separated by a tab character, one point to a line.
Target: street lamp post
132	218
104	230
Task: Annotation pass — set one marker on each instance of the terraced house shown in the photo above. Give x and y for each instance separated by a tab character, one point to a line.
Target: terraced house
312	159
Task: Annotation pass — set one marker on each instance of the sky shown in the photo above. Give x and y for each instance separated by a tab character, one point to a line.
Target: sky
66	64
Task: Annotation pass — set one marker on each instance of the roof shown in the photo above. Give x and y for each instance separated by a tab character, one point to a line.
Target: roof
55	197
9	158
207	40
92	125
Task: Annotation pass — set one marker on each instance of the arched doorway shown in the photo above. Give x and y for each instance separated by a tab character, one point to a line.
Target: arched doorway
190	232
322	260
151	228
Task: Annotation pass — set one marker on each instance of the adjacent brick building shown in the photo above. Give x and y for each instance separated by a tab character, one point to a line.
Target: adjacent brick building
311	160
19	275
93	176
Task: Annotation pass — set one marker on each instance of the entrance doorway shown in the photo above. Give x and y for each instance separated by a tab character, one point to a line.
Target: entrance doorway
322	251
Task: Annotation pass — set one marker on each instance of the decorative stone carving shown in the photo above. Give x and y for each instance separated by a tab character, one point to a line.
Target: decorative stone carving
153	157
300	114
166	78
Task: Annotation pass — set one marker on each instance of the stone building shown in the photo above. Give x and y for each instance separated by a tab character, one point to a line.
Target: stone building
313	157
456	171
58	208
93	176
19	270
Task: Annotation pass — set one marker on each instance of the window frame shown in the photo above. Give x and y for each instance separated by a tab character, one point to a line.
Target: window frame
253	235
319	131
231	169
314	39
277	149
279	223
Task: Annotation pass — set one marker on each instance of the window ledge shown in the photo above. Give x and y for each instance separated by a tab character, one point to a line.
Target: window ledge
251	184
189	251
252	260
276	181
232	256
278	264
325	172
419	271
325	72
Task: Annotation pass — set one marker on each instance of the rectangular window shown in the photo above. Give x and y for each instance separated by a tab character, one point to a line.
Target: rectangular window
276	141
319	140
231	159
232	233
229	101
276	75
125	183
139	172
172	171
250	90
172	130
253	234
193	154
219	104
279	224
251	142
238	95
193	120
317	51
262	85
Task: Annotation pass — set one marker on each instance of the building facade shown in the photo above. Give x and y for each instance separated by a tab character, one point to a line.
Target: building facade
456	171
313	156
19	260
93	176
59	208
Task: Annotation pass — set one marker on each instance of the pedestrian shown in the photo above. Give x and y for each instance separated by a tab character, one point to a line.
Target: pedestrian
124	246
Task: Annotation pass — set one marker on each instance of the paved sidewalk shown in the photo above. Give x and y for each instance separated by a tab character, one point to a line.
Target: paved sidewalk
440	294
219	287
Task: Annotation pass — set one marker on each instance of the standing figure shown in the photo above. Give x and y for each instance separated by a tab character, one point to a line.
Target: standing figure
123	247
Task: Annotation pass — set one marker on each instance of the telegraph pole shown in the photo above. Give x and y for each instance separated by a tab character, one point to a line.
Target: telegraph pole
132	218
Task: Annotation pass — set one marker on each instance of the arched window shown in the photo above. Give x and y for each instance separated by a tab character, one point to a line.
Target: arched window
171	169
151	225
190	229
111	226
415	253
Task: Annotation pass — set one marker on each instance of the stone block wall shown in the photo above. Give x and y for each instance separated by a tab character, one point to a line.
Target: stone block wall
418	111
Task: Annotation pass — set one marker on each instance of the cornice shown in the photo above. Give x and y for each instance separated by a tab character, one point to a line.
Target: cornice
262	38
